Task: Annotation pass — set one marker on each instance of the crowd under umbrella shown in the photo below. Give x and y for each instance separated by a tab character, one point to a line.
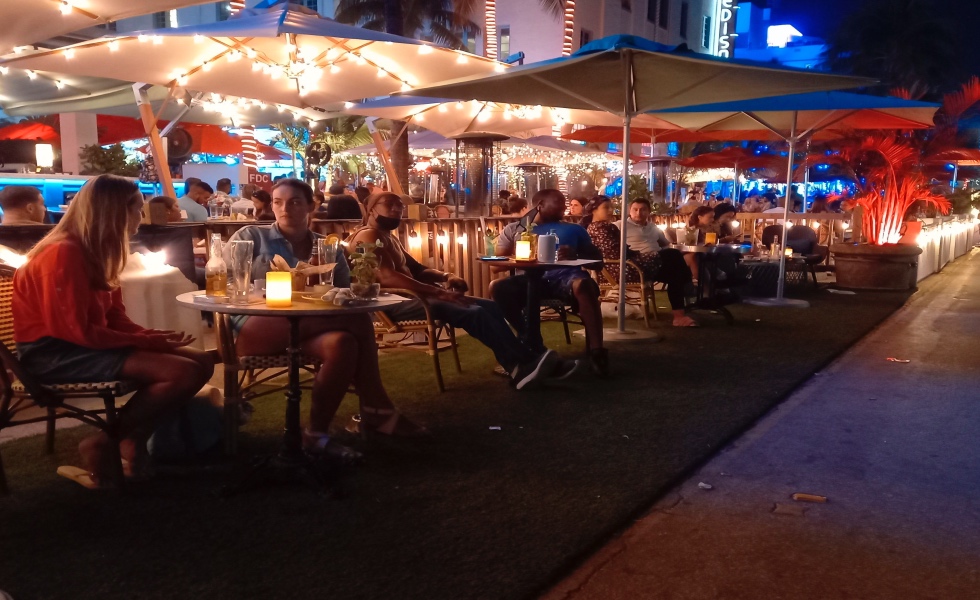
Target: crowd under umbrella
796	118
26	23
284	55
734	157
627	76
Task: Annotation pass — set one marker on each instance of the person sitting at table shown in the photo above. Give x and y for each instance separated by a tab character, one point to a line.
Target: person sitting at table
665	265
701	219
170	206
642	234
262	202
195	199
22	205
569	284
243	204
575	206
480	318
340	205
70	325
516	205
345	344
721	225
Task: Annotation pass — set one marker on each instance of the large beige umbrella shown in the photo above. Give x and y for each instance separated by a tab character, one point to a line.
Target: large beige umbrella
628	75
284	55
25	23
453	118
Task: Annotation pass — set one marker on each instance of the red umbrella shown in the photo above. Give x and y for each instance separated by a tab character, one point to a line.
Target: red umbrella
638	135
733	157
30	130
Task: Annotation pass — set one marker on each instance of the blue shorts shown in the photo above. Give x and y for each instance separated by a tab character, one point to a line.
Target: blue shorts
53	360
557	283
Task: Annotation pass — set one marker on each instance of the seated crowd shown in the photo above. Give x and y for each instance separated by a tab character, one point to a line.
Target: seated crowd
70	323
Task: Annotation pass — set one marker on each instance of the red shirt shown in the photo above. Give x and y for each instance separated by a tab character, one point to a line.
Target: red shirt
53	298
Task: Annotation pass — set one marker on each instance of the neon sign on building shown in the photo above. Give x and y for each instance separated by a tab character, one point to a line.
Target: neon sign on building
726	28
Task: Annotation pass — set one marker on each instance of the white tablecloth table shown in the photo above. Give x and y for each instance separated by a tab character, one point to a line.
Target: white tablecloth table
148	294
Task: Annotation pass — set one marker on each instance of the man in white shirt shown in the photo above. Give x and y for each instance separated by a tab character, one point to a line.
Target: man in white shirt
642	235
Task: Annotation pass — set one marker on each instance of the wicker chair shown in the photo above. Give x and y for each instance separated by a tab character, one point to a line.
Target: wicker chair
245	374
560	309
644	288
433	329
21	391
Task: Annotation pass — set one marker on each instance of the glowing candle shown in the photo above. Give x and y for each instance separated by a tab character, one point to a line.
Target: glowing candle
278	289
523	251
788	252
710	238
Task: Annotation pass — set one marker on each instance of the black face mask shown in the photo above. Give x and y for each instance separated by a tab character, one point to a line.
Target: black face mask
388	223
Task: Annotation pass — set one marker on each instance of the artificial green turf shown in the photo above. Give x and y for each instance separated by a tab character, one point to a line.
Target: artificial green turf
470	513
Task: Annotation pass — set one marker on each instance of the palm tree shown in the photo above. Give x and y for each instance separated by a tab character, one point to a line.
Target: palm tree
443	21
902	43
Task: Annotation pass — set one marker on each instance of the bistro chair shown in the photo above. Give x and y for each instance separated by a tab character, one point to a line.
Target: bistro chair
555	309
21	392
247	378
431	327
636	283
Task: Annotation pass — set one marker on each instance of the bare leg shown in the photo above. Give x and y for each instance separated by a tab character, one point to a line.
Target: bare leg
587	295
337	350
165	381
270	335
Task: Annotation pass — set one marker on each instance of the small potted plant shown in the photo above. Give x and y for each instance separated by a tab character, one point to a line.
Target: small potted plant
364	271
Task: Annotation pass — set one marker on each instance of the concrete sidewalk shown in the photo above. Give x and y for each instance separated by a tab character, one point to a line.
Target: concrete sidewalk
895	447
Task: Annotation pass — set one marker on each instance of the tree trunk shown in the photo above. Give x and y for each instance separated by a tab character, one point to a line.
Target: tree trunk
400	158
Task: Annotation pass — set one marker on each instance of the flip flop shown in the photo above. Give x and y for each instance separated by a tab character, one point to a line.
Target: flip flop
81	477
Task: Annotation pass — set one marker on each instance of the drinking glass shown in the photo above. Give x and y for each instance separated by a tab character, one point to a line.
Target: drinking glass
241	270
327	255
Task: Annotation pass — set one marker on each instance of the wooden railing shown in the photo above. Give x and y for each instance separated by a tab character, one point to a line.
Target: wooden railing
455	245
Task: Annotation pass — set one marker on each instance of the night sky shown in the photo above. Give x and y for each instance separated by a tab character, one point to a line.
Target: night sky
819	17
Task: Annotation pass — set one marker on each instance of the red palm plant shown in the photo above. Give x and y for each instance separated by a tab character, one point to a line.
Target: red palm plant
890	182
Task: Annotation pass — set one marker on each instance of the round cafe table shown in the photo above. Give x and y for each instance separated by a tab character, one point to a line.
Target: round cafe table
708	257
535	273
292	463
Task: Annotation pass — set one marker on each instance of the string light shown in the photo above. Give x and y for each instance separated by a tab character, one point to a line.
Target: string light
198	38
334	69
59	84
234	56
4	70
31	74
142	37
65	7
113	45
158	39
69	54
256	66
425	49
206	66
182	80
461	59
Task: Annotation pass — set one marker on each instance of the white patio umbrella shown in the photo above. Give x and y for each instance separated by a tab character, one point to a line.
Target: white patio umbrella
285	55
798	117
629	75
25	23
22	96
453	118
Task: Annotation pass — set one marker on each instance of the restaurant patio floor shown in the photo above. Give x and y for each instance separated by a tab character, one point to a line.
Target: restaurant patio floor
476	511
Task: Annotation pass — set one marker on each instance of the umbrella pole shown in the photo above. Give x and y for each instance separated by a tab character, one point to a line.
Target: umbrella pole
156	142
779	300
624	213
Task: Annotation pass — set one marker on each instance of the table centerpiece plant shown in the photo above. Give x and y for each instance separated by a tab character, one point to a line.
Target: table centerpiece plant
364	271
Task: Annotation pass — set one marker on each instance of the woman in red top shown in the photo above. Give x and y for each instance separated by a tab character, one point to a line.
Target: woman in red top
70	324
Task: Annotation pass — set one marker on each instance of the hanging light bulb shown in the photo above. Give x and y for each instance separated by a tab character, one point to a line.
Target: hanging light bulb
250	52
499	68
4	70
381	72
31	74
142	37
334	69
65	7
198	38
158	39
360	59
206	66
182	80
348	105
443	108
69	54
58	83
461	59
256	66
234	56
113	45
425	49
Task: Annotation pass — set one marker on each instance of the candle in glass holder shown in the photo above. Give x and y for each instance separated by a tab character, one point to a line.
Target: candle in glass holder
278	289
523	250
788	252
710	238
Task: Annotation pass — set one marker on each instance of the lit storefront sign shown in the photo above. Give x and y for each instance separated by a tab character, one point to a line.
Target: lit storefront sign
726	28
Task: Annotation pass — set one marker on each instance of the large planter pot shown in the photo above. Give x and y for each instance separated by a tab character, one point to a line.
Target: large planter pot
867	267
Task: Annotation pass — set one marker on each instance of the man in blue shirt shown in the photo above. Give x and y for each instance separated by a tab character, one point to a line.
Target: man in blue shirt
571	284
196	194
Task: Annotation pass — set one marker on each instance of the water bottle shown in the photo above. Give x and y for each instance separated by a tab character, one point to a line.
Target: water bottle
216	271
